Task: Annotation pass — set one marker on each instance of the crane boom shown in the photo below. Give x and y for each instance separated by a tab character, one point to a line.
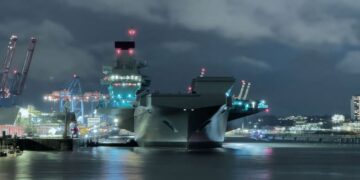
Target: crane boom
7	64
26	66
242	89
247	91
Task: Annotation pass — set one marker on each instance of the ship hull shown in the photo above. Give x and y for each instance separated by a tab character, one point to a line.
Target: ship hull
178	127
124	116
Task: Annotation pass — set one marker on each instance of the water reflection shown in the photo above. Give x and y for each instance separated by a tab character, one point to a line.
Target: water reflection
234	161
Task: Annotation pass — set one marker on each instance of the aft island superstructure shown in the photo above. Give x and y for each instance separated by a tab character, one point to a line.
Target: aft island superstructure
197	119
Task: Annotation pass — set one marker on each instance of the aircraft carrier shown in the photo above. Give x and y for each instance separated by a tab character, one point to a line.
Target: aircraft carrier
196	119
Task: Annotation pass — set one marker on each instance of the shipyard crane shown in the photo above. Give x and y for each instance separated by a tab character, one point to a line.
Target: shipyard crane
75	97
72	93
12	84
93	98
5	92
19	86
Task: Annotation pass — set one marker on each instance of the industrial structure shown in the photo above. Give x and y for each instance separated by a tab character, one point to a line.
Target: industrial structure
355	107
13	81
12	85
73	95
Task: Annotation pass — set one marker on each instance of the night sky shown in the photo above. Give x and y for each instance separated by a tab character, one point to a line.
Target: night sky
303	57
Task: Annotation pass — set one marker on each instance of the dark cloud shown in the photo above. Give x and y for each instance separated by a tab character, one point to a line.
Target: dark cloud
288	21
300	55
252	63
179	46
55	56
350	63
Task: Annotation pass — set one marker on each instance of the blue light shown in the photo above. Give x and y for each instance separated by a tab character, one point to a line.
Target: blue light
246	107
262	105
237	103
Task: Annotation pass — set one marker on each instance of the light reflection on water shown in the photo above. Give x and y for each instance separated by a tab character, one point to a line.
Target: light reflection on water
234	161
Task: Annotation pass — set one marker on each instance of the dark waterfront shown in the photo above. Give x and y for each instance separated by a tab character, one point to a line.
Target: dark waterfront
234	161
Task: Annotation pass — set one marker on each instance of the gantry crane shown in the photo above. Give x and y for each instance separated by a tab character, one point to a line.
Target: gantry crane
75	97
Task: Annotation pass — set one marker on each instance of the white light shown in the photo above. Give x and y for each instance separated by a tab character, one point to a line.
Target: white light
116	120
24	113
338	118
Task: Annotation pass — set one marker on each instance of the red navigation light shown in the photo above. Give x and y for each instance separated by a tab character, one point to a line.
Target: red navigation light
118	51
132	32
15	71
131	52
267	110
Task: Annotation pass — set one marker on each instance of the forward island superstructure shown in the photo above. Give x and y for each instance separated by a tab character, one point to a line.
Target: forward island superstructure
124	82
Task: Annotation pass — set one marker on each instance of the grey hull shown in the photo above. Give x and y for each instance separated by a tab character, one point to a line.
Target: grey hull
177	127
125	117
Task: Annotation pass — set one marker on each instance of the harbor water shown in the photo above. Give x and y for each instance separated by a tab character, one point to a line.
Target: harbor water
234	161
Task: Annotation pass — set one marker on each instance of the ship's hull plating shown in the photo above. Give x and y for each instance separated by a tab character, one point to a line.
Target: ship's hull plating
125	116
177	127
